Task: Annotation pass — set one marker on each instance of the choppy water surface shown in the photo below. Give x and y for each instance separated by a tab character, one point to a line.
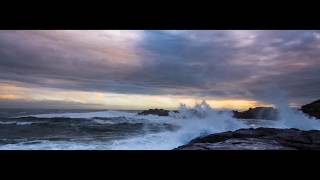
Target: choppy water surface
103	130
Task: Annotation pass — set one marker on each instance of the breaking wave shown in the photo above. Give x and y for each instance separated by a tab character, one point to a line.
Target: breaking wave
202	120
15	123
191	122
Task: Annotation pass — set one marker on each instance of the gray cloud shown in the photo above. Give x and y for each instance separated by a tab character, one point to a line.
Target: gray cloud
224	64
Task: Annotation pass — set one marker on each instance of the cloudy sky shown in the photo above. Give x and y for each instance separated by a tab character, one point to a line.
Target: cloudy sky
148	69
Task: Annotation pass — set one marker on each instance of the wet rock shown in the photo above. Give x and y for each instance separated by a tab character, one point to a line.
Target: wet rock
312	109
159	112
257	139
268	113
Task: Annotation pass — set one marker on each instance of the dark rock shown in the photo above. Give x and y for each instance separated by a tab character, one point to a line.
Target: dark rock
268	113
159	112
312	109
257	139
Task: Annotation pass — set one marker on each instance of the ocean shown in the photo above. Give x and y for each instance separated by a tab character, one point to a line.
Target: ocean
121	130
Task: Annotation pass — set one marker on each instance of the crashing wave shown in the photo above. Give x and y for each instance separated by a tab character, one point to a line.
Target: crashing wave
192	122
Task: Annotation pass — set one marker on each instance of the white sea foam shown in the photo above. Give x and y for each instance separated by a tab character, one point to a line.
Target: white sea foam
202	120
292	118
15	122
57	145
192	122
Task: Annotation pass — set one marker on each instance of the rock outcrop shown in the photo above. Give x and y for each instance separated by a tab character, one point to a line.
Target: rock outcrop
268	113
312	109
159	112
257	139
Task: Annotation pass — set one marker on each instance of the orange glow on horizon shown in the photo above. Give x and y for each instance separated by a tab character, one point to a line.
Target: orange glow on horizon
8	97
235	104
11	91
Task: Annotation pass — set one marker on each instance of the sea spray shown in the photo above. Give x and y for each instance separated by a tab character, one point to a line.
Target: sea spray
292	118
201	120
189	123
192	122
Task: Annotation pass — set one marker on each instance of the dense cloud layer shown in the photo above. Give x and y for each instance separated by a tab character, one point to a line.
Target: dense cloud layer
221	64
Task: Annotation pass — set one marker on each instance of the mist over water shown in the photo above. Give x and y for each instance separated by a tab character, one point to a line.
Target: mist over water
192	122
201	120
127	130
291	118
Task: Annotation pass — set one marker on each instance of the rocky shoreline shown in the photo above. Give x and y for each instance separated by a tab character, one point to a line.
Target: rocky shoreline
312	109
257	139
266	113
159	112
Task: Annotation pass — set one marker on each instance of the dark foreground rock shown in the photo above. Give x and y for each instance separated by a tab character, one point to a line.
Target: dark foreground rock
312	109
257	139
159	112
267	113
